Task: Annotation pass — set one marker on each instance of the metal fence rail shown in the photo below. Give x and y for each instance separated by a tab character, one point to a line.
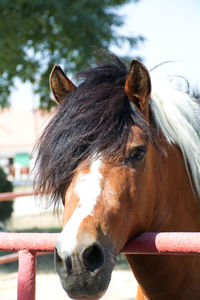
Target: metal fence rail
28	244
13	195
8	258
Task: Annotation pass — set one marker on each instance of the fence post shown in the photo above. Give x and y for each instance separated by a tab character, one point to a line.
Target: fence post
26	275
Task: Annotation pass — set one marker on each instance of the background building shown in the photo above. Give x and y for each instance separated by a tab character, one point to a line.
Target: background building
19	131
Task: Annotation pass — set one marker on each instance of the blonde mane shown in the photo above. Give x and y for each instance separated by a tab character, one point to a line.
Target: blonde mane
177	114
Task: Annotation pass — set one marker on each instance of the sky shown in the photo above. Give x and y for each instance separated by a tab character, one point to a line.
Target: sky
172	32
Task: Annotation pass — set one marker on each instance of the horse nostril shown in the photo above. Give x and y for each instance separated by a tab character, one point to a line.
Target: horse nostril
93	257
67	263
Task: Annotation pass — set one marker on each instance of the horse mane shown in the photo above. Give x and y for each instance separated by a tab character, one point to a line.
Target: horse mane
95	119
177	114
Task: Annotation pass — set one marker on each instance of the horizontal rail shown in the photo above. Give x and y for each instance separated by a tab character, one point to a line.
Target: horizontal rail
8	258
181	243
28	244
185	243
36	242
13	195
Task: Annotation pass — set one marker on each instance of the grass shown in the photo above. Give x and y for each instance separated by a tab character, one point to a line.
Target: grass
122	263
44	264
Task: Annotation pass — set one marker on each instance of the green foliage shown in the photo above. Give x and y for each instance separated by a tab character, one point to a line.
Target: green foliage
34	35
6	207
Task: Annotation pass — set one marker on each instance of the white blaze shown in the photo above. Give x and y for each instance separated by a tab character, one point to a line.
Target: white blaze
88	190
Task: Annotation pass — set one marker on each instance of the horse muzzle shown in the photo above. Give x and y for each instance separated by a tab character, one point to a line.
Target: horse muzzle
85	272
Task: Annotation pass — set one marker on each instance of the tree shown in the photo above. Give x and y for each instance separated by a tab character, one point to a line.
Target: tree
6	207
34	35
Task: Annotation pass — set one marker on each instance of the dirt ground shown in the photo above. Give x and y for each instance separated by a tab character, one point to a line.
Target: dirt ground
122	287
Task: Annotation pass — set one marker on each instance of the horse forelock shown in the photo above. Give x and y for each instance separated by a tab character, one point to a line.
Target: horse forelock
96	118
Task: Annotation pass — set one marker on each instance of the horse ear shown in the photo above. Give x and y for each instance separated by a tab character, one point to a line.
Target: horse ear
138	84
60	85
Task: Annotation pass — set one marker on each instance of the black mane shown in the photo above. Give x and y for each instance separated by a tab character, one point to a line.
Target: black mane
95	118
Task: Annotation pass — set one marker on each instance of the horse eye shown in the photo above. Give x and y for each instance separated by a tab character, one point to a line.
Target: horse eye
137	156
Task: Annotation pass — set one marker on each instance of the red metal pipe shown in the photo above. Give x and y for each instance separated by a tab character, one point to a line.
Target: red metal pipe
26	275
14	256
13	195
8	258
38	242
187	243
146	243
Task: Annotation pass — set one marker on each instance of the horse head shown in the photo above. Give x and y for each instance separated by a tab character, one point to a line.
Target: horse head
104	193
104	153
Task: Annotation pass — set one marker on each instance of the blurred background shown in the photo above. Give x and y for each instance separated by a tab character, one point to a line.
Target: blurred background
35	35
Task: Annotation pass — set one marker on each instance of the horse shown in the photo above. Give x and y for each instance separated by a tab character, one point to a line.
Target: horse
121	152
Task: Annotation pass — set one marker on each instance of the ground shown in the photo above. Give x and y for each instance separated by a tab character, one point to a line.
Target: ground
122	287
